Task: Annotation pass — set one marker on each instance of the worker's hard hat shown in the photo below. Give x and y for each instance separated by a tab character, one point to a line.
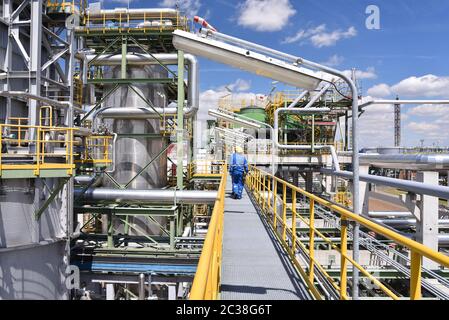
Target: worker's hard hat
239	149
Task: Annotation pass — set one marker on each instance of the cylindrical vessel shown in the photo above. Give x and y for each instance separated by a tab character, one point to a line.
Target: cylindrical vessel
138	142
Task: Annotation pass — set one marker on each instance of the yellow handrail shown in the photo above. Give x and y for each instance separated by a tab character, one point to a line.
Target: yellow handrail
46	137
207	277
260	183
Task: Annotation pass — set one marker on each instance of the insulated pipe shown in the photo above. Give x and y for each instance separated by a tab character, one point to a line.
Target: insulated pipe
148	196
408	222
406	185
385	214
407	161
146	59
317	96
366	104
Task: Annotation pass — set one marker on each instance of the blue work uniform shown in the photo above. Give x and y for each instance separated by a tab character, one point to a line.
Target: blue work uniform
238	166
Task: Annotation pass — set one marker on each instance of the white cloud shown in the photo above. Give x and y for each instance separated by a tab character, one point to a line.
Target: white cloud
304	34
238	86
376	125
428	86
320	37
209	99
380	90
188	7
425	86
429	110
426	129
265	15
369	73
334	61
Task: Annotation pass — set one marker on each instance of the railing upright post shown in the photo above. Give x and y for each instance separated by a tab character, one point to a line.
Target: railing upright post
343	261
269	193
263	193
275	209
284	211
312	241
293	221
415	277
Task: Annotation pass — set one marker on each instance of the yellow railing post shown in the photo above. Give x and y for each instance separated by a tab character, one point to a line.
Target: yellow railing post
293	221
343	261
415	277
263	193
269	194
312	241
284	211
275	209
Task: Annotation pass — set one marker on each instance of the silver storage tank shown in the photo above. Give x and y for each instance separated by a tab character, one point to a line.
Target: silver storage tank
135	152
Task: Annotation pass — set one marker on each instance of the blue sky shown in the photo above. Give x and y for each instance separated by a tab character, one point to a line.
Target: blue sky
408	56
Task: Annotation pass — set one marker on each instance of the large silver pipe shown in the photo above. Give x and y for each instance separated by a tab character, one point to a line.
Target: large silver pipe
407	161
407	222
143	59
385	214
406	185
148	196
368	103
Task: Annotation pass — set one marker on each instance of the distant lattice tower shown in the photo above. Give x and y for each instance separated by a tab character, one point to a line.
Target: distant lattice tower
397	124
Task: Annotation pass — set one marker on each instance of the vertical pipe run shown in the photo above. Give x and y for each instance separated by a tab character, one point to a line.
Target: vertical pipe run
124	52
355	186
141	286
110	231
313	133
180	122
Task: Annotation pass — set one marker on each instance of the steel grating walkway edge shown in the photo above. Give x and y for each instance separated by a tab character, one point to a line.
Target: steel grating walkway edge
254	264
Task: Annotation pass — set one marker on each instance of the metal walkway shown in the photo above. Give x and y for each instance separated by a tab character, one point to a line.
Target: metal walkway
254	265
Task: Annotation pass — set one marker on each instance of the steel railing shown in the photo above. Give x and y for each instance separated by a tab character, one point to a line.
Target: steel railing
265	187
208	273
50	143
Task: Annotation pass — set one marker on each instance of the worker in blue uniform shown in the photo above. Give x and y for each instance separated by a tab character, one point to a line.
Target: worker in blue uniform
238	168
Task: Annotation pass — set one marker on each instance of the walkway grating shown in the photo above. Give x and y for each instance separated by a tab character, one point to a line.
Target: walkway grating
254	265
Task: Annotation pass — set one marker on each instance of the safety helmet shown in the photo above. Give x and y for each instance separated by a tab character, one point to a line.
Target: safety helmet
239	149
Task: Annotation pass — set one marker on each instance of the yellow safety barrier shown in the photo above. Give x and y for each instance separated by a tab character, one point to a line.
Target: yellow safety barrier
208	273
261	184
98	150
44	155
135	22
67	7
205	169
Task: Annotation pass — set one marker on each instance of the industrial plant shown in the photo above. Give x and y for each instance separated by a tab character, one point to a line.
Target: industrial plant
111	188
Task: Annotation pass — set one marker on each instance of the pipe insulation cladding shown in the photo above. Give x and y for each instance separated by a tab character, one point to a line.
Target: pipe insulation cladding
251	61
147	196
